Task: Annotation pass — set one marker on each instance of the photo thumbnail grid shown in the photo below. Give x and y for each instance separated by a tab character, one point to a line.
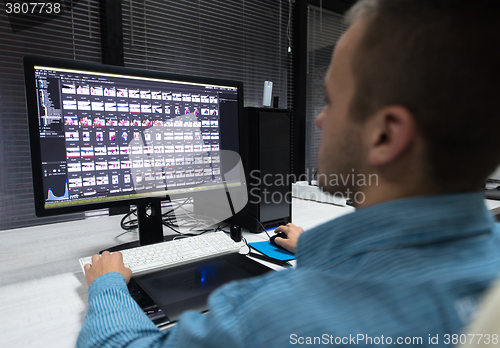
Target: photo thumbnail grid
127	139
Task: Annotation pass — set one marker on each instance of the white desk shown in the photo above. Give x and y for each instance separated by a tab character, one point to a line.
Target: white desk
493	206
43	294
41	283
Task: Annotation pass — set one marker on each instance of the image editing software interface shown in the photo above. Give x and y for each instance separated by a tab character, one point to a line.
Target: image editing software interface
107	137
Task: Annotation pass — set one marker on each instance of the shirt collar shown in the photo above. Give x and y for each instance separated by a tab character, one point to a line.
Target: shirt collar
399	222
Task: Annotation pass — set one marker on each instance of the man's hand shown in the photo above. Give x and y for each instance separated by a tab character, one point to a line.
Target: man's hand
292	233
107	263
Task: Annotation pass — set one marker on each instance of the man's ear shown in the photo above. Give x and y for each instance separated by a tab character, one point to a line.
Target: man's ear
391	132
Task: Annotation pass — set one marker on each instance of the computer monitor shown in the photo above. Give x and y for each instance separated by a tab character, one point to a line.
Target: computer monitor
105	136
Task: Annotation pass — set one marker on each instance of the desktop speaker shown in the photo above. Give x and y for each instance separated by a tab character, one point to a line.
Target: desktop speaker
265	148
267	93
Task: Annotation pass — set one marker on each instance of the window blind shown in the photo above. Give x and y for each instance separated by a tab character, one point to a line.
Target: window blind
324	30
72	34
231	39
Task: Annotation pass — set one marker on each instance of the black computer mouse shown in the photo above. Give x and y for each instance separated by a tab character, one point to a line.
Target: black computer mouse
279	234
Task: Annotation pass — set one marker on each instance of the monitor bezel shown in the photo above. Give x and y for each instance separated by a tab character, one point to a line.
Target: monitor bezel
30	62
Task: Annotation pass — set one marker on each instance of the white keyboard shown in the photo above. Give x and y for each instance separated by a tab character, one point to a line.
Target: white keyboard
173	253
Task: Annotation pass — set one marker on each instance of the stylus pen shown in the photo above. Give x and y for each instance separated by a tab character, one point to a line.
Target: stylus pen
270	259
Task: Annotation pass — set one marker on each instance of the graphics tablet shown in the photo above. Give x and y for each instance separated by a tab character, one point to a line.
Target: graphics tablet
166	294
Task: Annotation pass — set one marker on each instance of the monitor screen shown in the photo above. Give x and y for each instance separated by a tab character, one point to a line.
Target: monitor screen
104	136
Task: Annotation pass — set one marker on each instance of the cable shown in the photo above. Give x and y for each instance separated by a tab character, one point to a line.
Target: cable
289	27
219	228
131	224
185	219
248	246
167	219
170	226
121	234
264	229
166	215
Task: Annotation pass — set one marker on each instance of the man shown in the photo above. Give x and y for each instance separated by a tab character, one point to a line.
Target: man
412	90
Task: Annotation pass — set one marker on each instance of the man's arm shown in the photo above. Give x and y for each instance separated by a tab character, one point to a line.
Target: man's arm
115	320
113	317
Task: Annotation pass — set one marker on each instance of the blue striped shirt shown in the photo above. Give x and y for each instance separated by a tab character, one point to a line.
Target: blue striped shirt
407	271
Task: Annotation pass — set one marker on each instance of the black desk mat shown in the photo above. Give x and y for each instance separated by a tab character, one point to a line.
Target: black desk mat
166	294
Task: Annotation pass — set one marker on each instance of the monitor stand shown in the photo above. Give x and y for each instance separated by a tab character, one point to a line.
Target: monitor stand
150	223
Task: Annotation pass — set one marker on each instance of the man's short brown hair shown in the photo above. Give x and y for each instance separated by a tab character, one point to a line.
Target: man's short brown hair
441	60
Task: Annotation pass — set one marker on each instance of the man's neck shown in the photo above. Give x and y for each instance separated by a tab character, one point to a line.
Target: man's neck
385	193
